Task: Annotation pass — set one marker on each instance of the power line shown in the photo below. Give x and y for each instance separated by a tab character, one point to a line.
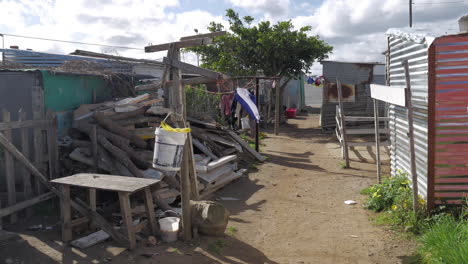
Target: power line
73	42
438	3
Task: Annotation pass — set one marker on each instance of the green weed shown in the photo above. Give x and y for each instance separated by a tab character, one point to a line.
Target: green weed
217	246
231	231
343	165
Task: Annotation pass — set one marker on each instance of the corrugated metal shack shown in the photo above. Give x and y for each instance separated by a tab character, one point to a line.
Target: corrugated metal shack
55	91
439	83
356	78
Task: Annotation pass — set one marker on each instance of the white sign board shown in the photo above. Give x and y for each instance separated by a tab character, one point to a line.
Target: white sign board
389	94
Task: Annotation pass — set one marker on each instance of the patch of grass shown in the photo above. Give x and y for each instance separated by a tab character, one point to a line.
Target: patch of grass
231	231
343	165
446	241
217	246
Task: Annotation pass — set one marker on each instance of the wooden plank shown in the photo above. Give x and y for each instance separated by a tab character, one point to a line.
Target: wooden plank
24	124
52	149
107	182
25	204
246	146
216	163
26	176
126	211
9	170
365	131
92	202
65	210
206	35
197	80
365	118
149	206
38	110
94	147
389	94
218	185
377	138
276	85
343	123
203	149
77	204
367	144
192	68
195	193
409	106
179	44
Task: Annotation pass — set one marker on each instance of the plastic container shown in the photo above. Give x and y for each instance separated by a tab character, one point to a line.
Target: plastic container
169	228
245	123
291	112
168	149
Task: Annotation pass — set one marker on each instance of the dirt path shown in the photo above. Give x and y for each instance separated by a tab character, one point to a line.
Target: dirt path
290	210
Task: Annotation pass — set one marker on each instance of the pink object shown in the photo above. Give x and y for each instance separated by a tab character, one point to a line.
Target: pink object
291	112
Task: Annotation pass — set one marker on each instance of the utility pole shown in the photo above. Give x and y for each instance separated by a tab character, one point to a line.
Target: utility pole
410	13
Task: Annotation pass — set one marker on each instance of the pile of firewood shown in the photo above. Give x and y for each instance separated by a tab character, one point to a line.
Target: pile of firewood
118	138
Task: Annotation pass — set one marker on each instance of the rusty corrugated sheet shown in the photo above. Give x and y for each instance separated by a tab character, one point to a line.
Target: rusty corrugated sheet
451	119
416	53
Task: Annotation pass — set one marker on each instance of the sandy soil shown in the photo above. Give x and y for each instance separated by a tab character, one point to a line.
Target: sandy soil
288	210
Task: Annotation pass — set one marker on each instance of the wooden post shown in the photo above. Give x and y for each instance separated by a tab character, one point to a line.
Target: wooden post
26	176
150	210
65	211
377	138
180	116
343	122
277	106
257	133
37	94
126	211
94	147
409	107
9	169
92	204
195	194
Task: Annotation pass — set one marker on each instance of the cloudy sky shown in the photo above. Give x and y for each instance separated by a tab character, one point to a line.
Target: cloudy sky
354	27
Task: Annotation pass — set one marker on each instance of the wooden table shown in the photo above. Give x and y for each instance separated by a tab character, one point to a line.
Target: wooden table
125	186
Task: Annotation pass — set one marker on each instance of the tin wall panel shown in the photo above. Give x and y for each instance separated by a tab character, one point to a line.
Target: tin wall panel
416	54
451	119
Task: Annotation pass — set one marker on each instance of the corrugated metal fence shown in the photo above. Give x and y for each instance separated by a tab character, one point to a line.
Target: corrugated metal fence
451	118
416	54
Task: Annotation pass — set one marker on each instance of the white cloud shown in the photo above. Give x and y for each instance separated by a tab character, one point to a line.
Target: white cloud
270	7
133	23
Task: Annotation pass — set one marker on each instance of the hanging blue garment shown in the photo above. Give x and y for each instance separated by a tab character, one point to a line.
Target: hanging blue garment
247	101
310	80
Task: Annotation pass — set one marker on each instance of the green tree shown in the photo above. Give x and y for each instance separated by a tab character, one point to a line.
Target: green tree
276	50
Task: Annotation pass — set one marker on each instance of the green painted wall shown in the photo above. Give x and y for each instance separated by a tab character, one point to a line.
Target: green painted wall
65	92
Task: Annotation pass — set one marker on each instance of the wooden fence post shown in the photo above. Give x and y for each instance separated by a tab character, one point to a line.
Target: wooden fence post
377	138
409	106
9	169
26	176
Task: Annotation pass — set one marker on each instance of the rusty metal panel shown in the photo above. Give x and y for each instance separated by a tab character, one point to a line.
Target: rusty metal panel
416	53
356	76
451	119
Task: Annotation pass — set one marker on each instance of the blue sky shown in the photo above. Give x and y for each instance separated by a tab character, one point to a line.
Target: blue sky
355	28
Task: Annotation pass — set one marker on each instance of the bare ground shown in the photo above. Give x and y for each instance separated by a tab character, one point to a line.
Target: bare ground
288	210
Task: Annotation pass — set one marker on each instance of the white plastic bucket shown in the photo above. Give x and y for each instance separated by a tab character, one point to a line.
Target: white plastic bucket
168	149
169	228
245	123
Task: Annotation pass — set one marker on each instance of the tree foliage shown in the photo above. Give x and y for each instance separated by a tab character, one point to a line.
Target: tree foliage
274	50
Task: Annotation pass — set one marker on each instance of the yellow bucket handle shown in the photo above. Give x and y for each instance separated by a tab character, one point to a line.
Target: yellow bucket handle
171	129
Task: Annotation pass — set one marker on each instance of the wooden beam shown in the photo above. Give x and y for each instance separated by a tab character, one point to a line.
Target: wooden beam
389	94
25	204
278	107
192	68
409	106
179	44
197	80
246	146
206	35
26	176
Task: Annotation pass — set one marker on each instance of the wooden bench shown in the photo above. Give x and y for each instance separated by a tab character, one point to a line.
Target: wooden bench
125	186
